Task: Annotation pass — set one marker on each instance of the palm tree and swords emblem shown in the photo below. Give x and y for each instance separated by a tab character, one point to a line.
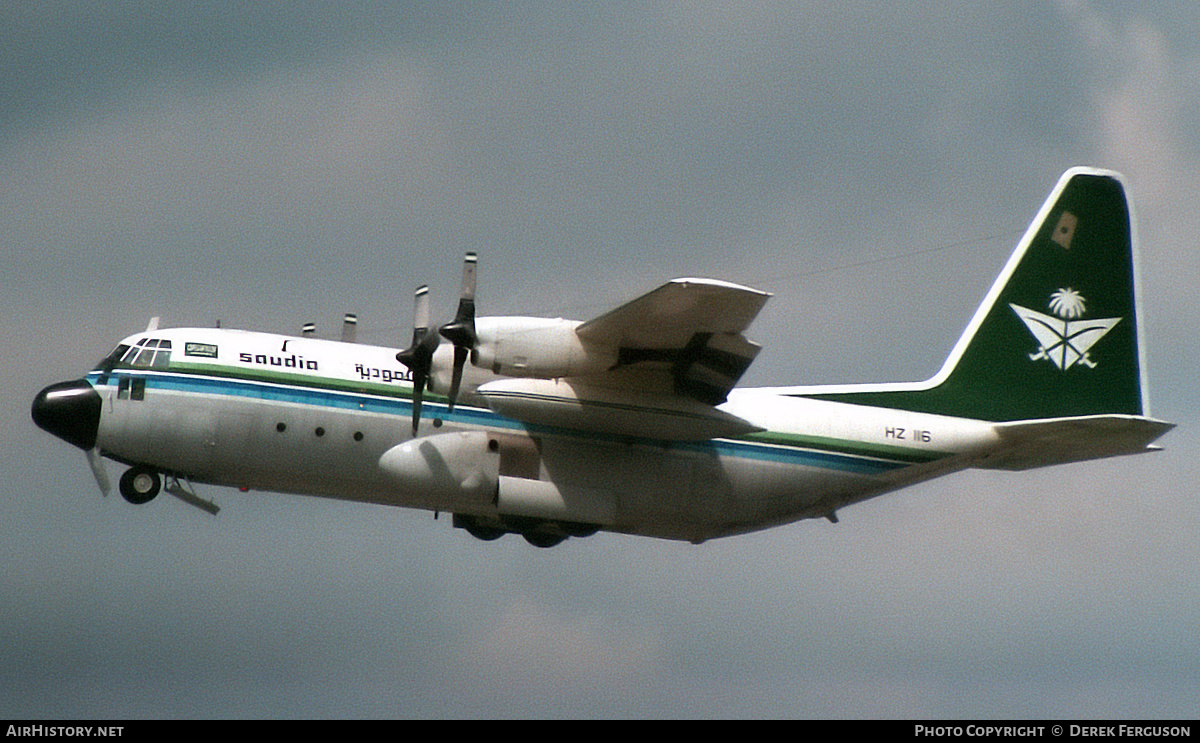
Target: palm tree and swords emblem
1064	339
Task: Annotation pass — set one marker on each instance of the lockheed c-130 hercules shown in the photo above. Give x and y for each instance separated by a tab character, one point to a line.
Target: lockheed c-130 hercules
630	422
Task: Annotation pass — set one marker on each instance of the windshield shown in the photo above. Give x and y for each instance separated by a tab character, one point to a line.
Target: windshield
149	353
110	361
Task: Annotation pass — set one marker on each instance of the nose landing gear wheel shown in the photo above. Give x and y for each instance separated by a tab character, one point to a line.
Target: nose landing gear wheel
140	484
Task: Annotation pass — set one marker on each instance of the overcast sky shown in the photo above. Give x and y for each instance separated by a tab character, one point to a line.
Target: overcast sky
268	164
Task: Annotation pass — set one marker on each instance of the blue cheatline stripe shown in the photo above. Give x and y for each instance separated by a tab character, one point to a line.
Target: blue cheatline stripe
808	457
276	392
319	397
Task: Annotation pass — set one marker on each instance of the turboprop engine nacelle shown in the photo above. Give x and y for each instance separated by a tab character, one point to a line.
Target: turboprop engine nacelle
536	347
461	468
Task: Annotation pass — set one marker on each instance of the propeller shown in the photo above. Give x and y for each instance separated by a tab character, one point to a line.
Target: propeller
461	330
419	356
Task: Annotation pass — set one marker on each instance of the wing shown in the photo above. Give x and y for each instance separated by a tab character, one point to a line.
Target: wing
688	331
656	367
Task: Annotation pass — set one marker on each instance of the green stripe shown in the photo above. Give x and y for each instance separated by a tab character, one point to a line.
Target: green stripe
825	443
303	380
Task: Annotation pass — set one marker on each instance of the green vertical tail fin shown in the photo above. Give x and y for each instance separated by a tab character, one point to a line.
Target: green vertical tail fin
1058	335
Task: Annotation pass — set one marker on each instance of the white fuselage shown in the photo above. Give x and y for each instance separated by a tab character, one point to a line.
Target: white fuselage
631	421
301	415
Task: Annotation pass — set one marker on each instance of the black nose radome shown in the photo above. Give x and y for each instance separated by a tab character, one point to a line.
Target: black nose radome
70	411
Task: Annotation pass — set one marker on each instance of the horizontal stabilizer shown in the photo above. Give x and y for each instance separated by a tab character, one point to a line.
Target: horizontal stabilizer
1038	443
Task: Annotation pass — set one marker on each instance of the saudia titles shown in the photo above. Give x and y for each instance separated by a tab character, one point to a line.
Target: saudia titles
291	362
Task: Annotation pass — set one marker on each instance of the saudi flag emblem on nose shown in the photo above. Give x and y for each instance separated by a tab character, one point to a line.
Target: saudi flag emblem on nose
1064	338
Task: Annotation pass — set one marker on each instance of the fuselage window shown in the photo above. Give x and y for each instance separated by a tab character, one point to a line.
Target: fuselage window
131	388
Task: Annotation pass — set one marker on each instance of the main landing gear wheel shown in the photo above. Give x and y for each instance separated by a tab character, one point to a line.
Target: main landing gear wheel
140	484
545	540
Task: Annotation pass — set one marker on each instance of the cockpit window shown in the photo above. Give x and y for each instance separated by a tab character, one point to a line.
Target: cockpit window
149	353
145	357
155	353
164	355
110	361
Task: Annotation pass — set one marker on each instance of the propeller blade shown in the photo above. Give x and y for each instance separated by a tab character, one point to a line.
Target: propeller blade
470	261
419	356
419	382
99	470
461	331
460	360
421	310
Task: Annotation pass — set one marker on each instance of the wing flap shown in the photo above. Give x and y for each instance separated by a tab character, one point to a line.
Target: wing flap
563	403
